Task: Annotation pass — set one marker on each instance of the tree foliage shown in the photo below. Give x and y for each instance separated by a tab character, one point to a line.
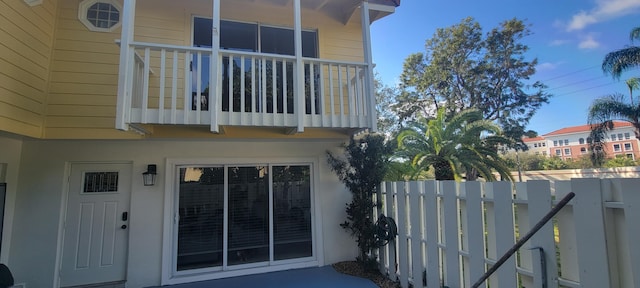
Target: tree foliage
463	143
362	169
603	111
619	61
388	123
462	68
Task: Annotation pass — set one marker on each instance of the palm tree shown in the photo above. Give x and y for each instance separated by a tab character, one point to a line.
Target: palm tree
464	142
616	62
603	111
633	83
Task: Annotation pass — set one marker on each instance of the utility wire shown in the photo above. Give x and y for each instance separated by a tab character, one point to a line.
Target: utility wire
570	73
574	83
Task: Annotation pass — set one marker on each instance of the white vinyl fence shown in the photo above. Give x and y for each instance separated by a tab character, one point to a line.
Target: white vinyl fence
451	233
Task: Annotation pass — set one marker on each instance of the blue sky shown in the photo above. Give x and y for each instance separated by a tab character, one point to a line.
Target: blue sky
570	38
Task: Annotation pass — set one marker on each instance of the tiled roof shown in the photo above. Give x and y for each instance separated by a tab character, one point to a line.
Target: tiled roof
527	139
584	128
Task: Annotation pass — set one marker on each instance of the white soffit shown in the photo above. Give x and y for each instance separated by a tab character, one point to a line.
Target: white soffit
33	2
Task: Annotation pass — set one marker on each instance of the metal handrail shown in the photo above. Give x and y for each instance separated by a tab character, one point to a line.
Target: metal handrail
524	239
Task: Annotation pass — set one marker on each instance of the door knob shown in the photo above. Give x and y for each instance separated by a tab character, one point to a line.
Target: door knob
123	226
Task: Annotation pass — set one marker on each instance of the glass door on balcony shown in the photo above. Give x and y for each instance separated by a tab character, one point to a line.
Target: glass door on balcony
255	90
233	36
234	217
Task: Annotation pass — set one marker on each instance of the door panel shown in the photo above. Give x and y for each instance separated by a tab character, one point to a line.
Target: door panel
95	236
242	217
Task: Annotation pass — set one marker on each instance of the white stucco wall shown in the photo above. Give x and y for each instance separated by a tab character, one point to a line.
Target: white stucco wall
10	151
42	183
568	174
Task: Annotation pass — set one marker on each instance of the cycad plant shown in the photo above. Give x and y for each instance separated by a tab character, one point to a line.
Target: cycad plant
463	143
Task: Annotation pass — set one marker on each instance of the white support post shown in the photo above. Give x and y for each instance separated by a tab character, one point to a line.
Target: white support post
368	58
125	75
299	79
213	68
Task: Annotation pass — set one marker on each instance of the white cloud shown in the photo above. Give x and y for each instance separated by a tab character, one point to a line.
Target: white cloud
546	66
589	42
558	42
604	10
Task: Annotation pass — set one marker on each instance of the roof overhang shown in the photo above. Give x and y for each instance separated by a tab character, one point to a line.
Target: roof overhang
343	10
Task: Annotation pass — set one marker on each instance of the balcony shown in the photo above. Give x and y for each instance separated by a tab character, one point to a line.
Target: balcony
166	88
162	84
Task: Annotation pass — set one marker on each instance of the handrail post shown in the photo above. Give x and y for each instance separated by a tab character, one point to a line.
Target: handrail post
125	73
213	68
299	91
369	86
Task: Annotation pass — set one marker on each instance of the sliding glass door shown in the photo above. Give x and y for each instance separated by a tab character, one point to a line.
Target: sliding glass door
233	217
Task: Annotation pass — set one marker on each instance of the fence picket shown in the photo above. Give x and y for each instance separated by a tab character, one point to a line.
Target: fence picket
431	232
391	191
416	235
631	200
539	196
589	223
451	256
475	232
403	258
504	232
522	217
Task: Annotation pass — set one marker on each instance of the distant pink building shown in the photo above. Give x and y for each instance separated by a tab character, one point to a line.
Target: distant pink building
573	142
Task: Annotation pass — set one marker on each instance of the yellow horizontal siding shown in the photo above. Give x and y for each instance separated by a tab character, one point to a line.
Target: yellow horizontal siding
26	35
17	127
13	112
22	104
84	70
82	100
89	133
81	110
81	122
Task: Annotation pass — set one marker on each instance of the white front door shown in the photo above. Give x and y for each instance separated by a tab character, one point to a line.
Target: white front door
96	224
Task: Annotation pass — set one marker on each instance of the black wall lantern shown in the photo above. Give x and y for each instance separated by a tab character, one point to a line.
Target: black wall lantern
149	177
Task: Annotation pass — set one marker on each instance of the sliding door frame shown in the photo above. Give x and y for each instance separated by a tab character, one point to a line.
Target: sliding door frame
170	275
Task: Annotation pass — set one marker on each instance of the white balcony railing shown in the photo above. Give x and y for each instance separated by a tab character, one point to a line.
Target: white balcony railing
170	85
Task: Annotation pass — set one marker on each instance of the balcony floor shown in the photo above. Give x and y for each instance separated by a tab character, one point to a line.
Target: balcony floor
318	277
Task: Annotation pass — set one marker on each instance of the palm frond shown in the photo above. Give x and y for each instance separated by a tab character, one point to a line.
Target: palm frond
616	62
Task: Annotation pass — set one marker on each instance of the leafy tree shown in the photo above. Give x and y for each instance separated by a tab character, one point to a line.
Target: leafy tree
463	142
554	163
462	68
620	161
528	161
388	123
582	162
366	163
619	61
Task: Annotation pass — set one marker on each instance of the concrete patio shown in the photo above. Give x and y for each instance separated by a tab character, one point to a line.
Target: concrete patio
318	277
